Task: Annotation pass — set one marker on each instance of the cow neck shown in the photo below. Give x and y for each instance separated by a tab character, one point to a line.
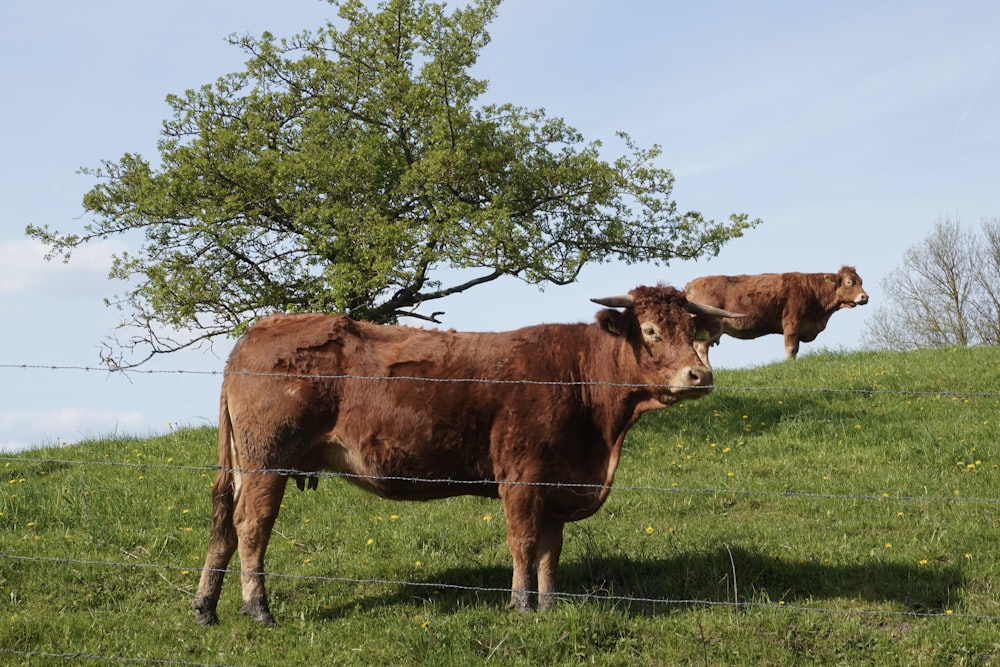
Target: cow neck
611	369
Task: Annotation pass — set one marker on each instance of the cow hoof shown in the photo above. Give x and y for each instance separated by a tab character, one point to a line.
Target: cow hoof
205	613
207	618
520	603
258	611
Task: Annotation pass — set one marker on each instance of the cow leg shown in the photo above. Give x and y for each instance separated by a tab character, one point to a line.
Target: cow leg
254	517
549	550
791	345
222	544
523	507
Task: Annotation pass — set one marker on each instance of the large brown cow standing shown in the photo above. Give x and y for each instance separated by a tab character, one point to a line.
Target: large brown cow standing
535	416
797	305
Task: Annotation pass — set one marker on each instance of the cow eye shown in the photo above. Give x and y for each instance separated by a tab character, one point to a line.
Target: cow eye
849	282
650	332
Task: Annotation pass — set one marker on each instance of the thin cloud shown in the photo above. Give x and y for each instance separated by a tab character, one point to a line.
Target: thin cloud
24	271
22	429
978	94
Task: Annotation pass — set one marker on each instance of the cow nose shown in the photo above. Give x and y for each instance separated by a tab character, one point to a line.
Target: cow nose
699	376
689	382
862	299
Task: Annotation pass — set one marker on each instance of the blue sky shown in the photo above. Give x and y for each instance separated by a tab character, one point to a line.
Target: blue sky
850	128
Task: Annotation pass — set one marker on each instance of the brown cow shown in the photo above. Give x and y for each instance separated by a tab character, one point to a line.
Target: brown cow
797	305
535	417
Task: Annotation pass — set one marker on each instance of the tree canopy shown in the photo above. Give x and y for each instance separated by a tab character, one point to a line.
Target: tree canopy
344	168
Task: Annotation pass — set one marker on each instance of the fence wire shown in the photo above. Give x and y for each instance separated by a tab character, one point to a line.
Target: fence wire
66	657
618	488
500	381
582	597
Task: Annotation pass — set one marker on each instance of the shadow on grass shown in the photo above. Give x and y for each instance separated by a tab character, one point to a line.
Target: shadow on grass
656	586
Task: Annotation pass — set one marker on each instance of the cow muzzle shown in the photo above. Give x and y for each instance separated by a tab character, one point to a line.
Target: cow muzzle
859	300
689	382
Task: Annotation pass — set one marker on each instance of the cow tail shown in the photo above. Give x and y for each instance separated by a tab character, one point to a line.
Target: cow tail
222	541
224	488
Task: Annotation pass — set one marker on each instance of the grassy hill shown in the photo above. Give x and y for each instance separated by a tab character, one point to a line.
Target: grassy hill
840	509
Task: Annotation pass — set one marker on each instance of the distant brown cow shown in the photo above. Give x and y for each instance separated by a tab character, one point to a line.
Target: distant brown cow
535	417
797	305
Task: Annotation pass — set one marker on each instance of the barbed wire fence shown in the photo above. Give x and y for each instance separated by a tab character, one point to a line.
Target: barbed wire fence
27	458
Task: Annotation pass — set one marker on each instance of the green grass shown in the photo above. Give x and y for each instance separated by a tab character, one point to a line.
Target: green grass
767	523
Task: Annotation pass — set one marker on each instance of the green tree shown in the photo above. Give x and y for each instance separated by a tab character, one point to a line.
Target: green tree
946	291
344	168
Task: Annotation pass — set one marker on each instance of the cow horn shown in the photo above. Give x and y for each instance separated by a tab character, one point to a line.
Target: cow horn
623	301
702	309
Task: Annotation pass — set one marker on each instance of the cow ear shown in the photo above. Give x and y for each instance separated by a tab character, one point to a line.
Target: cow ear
612	321
832	278
707	328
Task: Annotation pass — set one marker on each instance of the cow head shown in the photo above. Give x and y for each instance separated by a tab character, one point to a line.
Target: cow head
661	328
848	287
